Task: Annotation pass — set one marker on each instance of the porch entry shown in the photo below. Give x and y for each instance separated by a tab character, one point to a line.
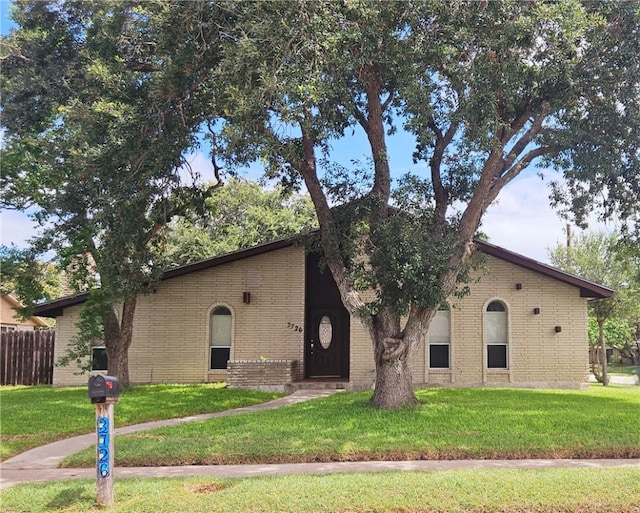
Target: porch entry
326	346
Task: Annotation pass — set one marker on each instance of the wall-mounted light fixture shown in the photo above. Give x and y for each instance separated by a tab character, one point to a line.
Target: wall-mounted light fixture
558	329
246	297
536	310
518	286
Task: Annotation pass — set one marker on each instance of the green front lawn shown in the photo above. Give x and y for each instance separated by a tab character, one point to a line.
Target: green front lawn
593	490
449	424
622	369
33	416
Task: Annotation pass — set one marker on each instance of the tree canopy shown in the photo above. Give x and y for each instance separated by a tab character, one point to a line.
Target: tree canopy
100	104
240	215
488	89
600	258
28	278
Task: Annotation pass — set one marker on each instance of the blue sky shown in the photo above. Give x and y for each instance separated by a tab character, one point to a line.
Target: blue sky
4	13
521	219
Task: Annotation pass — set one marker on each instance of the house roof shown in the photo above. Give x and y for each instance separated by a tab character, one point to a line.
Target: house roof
587	289
14	320
56	307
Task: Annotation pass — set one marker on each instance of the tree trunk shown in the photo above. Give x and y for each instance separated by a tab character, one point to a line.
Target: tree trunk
595	365
394	383
603	352
118	335
393	354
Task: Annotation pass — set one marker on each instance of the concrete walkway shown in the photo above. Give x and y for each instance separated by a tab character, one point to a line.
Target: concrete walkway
40	464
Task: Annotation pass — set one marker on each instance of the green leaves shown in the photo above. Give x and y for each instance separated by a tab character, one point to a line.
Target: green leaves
29	279
603	258
100	104
100	150
241	214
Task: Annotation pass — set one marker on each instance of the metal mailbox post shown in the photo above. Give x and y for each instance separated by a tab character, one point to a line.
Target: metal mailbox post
104	392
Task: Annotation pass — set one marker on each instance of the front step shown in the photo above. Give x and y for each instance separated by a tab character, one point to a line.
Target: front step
317	384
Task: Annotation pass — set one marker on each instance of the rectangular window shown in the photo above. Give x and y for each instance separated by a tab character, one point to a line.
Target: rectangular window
497	356
221	330
219	357
438	356
99	360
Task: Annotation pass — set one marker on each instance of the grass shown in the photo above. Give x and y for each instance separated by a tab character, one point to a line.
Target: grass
593	490
622	369
449	424
33	416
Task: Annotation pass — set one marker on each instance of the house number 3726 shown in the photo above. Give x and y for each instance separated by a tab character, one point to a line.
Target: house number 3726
294	327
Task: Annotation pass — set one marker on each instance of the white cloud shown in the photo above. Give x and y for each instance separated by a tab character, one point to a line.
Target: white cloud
16	227
522	219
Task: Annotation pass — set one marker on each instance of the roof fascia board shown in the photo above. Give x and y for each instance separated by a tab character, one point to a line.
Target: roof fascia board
56	307
587	289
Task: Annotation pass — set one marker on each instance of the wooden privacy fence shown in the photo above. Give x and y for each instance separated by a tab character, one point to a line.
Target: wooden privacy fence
26	357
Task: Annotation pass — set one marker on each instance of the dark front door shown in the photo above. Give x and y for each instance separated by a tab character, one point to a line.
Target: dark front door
326	326
326	341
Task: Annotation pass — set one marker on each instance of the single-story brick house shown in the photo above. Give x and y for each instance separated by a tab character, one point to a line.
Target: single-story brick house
267	317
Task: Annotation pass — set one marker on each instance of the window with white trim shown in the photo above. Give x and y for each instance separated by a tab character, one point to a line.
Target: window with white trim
220	343
497	335
440	340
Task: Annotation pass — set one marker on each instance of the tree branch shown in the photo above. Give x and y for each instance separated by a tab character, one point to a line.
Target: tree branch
393	348
524	162
361	119
376	135
143	67
528	136
442	141
516	126
388	101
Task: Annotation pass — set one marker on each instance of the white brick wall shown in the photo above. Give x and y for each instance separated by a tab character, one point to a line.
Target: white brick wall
171	329
171	335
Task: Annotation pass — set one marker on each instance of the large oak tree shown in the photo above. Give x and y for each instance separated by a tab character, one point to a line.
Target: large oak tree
488	89
98	111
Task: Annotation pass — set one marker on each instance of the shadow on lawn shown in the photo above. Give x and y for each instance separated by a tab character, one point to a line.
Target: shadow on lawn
71	495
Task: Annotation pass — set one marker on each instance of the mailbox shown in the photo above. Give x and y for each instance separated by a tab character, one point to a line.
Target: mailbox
102	387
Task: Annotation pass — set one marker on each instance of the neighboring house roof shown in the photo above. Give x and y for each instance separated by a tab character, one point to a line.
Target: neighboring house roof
9	317
587	289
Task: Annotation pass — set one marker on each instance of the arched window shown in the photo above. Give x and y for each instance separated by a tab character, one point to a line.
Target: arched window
496	335
440	339
220	343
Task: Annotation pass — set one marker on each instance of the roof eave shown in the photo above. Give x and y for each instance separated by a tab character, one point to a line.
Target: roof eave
587	289
56	307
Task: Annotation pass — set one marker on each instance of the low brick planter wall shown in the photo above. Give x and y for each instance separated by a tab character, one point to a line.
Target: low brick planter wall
272	375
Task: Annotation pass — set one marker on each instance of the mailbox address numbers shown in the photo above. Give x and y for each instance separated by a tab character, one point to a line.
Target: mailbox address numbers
103	447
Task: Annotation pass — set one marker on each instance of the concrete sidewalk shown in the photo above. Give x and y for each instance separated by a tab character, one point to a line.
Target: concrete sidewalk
40	464
11	477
